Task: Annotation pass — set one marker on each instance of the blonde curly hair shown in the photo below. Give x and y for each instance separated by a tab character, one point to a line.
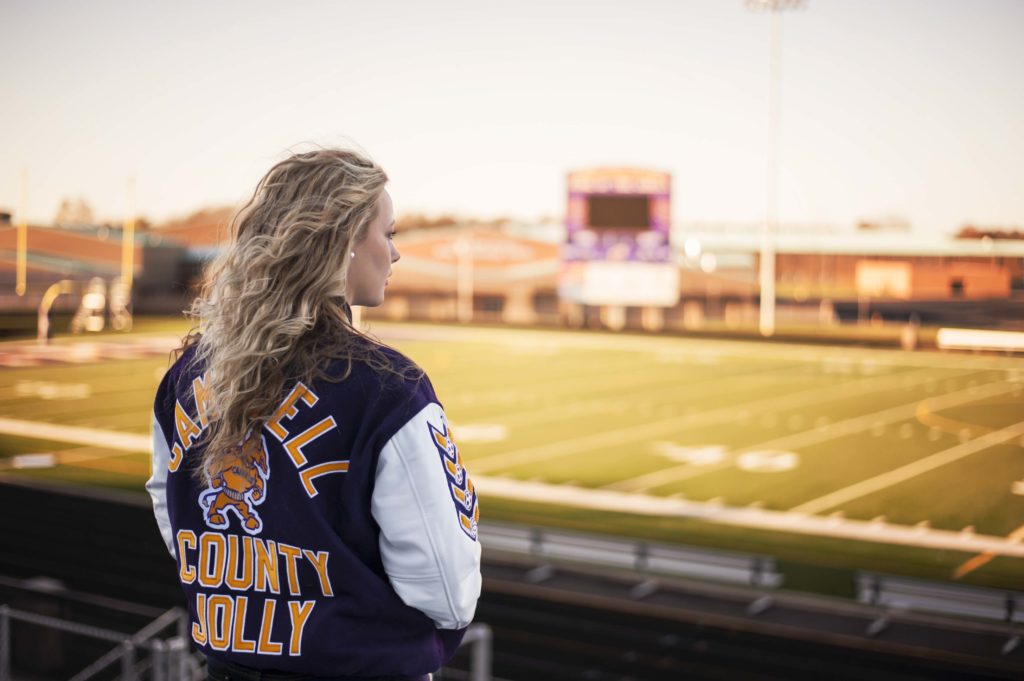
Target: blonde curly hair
273	308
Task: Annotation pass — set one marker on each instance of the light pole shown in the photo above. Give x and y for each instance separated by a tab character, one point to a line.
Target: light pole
128	240
21	271
464	278
767	269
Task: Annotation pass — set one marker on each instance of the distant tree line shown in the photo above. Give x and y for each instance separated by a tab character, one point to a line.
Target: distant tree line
973	232
413	221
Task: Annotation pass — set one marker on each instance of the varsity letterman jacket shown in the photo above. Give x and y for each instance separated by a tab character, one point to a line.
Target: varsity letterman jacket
343	543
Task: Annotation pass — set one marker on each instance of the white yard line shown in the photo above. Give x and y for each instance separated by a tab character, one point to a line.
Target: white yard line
665	427
816	436
110	439
911	470
589	407
760	519
627	502
20	354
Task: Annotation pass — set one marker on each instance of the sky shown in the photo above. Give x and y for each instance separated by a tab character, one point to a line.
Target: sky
908	109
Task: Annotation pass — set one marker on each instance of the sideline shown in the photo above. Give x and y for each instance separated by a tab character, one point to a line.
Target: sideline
629	502
760	519
26	354
566	339
78	435
984	558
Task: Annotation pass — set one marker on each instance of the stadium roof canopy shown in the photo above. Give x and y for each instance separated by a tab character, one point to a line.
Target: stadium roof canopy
858	243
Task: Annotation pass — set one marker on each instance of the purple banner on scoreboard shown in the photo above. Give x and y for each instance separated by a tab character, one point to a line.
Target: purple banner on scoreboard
585	245
612	218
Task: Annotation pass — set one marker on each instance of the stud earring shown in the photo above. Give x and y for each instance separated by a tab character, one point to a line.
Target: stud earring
352	254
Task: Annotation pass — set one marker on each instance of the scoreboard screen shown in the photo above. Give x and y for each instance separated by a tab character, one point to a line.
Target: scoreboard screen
619	212
617	250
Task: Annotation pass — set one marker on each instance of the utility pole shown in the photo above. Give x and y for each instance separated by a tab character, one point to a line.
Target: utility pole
770	227
128	240
21	276
464	278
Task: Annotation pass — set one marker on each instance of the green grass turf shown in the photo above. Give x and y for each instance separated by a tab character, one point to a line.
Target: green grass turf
602	409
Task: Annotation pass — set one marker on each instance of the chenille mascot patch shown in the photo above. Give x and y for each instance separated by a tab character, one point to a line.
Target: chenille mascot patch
462	490
238	484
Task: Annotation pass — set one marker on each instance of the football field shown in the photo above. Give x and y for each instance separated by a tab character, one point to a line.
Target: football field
831	458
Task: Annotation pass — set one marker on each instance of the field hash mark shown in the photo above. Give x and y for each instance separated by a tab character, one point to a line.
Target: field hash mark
911	470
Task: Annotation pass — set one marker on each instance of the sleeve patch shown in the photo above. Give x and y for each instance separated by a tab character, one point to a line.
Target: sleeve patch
461	487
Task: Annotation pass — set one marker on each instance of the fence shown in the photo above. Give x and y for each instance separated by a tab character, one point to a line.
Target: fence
140	656
144	656
899	594
645	557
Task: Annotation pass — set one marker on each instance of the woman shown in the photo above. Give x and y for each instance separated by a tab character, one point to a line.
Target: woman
304	476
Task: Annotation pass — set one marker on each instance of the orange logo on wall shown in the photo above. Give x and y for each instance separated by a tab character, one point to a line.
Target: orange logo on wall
239	484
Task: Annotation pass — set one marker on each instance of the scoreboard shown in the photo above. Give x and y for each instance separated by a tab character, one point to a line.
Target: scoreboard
617	249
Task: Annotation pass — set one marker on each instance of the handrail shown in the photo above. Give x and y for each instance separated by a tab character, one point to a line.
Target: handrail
172	616
171	659
901	593
481	638
63	625
124	651
632	554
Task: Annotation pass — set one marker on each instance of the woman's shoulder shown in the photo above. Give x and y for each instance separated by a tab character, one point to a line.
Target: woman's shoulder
402	364
182	361
382	385
182	371
381	367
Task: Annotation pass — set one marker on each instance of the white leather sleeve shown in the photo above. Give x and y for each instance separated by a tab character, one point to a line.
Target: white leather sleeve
157	485
427	537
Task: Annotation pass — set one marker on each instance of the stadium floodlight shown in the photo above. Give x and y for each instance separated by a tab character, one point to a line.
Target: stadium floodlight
692	248
776	5
767	266
708	263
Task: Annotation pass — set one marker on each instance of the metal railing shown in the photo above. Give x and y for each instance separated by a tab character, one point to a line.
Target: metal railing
145	655
480	637
139	655
894	594
902	593
631	554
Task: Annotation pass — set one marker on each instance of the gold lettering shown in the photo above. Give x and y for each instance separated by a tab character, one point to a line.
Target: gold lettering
266	646
199	390
218	608
319	561
199	626
211	554
177	454
299	613
187	430
266	566
288	410
231	578
307	475
186	573
238	643
291	554
295	445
